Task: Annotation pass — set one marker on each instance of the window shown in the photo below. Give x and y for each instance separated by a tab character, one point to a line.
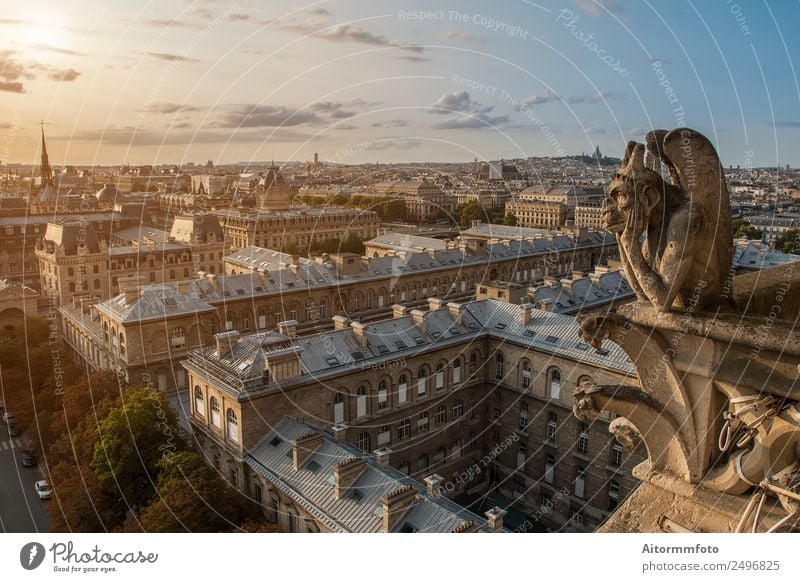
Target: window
216	420
199	403
439	377
422	462
522	455
338	409
439	455
576	516
404	429
555	384
402	389
233	425
499	366
580	481
363	442
421	382
361	402
473	411
473	363
526	374
458	409
178	338
441	415
422	422
456	371
616	454
552	426
385	435
523	421
383	398
550	469
613	494
583	438
519	485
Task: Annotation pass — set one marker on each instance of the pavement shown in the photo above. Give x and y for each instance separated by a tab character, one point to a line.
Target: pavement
21	510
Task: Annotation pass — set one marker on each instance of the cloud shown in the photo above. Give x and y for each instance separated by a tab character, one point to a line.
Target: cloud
238	17
534	100
346	33
405	143
596	98
252	115
320	11
59	50
345	126
138	136
599	7
11	87
171	57
478	121
653	60
391	123
456	36
164	107
450	102
63	74
550	97
164	23
787	123
12	69
595	130
413	58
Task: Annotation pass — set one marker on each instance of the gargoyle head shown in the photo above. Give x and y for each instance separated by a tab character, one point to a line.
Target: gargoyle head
634	193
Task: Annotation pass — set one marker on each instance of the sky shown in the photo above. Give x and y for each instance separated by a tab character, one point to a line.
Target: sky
175	81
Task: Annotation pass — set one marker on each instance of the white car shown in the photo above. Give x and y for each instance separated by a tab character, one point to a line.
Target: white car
43	489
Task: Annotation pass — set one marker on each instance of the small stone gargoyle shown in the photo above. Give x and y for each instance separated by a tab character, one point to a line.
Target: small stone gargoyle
687	251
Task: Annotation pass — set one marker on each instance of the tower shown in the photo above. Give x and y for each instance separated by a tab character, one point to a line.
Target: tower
47	173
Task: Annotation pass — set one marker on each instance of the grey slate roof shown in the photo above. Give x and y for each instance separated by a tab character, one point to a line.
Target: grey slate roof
154	302
314	490
757	255
570	296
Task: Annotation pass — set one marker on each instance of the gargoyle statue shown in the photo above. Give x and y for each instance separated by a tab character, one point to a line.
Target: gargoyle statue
687	252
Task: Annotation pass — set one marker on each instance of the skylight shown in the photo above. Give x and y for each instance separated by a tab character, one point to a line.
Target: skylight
400	344
313	466
551	339
276	441
332	361
500	326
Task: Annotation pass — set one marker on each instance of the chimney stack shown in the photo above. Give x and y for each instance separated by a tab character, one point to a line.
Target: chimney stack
340	322
546	304
433	482
288	328
525	312
131	294
382	456
226	341
435	303
455	309
494	519
360	332
345	473
303	447
395	505
399	311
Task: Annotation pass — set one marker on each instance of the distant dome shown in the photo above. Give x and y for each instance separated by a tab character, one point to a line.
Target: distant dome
107	193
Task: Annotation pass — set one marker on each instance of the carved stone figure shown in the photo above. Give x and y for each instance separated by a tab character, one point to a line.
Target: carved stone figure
685	221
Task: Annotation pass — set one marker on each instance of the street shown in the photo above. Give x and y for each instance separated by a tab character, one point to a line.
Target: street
21	510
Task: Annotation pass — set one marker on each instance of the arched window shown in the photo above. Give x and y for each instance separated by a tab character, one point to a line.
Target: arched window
555	384
456	370
473	363
199	403
422	422
361	402
421	377
233	425
404	429
216	420
363	442
338	408
441	415
422	462
440	454
402	389
499	366
383	395
525	366
458	409
439	376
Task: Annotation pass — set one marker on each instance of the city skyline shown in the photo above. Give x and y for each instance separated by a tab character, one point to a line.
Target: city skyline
185	81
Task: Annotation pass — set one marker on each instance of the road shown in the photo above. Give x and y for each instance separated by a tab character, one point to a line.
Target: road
21	510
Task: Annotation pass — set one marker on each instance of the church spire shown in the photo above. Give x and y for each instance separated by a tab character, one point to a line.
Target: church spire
47	173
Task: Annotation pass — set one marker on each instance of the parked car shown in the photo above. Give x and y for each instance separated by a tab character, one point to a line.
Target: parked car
43	489
12	429
28	460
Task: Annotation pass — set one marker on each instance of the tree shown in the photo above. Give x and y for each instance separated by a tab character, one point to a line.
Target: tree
742	229
132	440
510	219
472	210
192	497
353	244
789	242
80	504
393	210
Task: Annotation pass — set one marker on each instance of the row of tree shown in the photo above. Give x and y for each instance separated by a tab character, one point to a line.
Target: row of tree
388	209
111	451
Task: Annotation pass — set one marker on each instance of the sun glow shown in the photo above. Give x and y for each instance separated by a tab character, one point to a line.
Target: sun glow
42	29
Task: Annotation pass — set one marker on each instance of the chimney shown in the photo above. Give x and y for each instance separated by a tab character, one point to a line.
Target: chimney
360	331
212	280
131	294
288	328
433	482
182	287
339	433
226	341
340	322
345	473
303	447
418	317
494	519
546	304
395	505
525	312
435	303
399	311
456	309
382	456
